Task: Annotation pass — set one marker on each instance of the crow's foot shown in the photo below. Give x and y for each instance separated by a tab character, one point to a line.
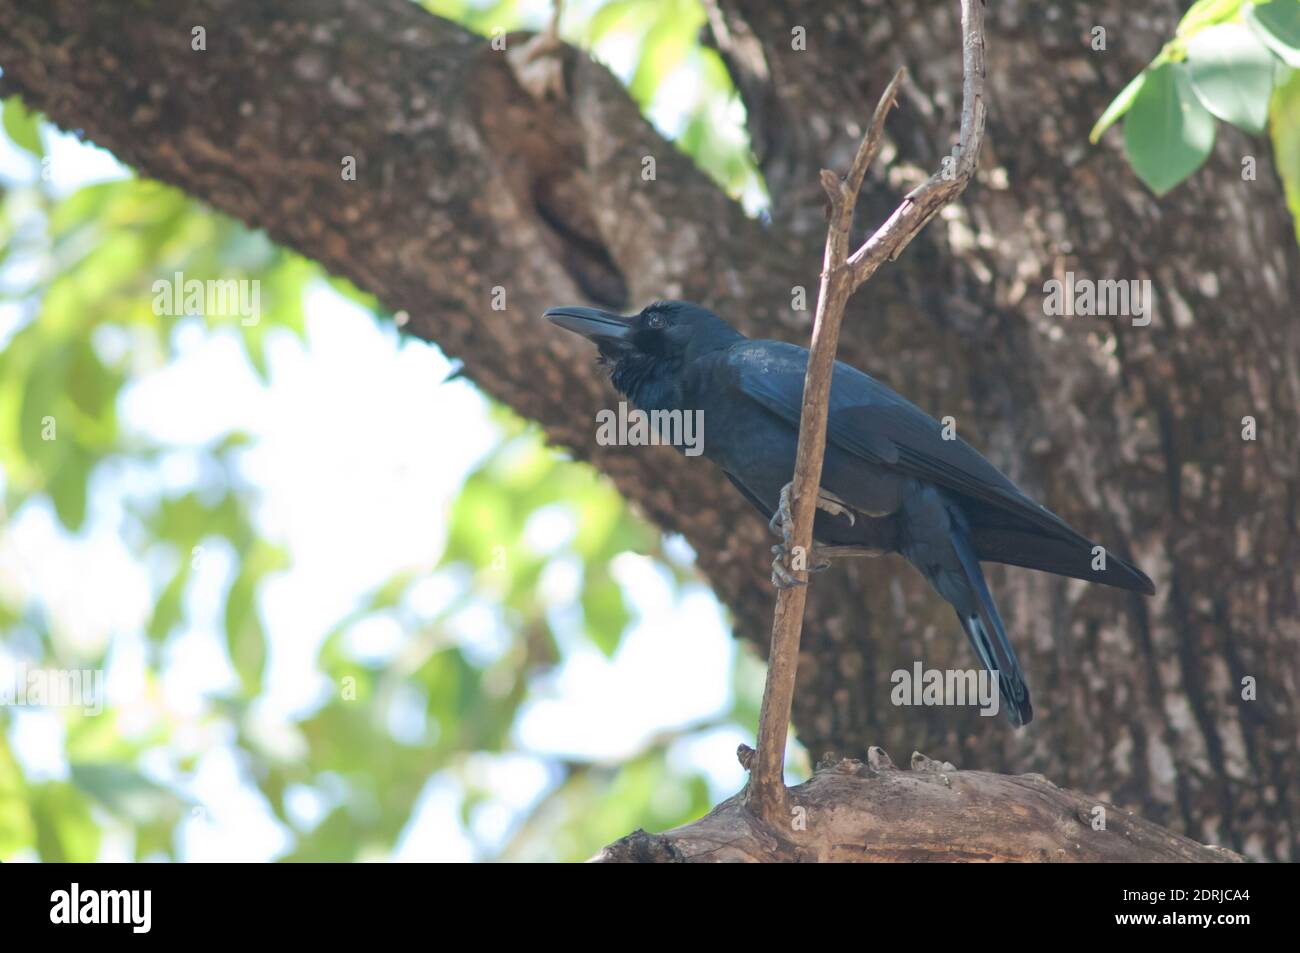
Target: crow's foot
782	524
782	578
782	521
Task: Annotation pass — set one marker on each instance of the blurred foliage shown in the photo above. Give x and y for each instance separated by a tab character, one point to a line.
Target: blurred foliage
78	326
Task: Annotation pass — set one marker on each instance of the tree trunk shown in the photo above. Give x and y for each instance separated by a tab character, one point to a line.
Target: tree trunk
467	183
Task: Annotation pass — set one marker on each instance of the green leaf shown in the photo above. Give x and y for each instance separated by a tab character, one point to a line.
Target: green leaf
1232	73
1118	106
254	336
167	611
67	488
1278	25
664	48
245	635
1205	12
65	830
1168	133
23	127
604	610
17	829
155	838
616	15
1285	129
125	792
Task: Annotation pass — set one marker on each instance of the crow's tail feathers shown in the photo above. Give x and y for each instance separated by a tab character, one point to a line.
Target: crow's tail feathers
936	538
979	617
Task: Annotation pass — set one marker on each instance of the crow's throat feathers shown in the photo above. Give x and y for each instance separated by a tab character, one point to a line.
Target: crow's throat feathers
647	380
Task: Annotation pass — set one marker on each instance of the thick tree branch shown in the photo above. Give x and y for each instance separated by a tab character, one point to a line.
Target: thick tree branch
871	812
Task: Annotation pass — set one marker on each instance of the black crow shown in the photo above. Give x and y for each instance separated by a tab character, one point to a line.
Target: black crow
892	480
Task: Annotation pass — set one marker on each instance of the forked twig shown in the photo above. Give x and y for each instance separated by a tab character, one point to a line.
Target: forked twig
842	275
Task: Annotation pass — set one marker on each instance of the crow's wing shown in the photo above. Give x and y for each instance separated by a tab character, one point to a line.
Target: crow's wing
870	420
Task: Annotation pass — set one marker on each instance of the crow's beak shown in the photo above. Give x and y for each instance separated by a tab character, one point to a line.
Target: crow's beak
591	323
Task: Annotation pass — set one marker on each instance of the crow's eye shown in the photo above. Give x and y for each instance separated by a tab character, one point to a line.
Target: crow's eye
656	321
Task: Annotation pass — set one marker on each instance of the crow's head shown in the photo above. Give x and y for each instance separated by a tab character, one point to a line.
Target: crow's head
645	351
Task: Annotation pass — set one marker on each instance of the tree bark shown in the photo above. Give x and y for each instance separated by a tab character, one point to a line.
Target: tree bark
871	812
468	183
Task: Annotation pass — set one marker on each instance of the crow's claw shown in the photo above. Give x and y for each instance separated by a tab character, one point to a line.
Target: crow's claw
782	578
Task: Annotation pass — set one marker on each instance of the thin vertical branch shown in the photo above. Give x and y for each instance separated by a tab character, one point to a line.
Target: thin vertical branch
841	276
